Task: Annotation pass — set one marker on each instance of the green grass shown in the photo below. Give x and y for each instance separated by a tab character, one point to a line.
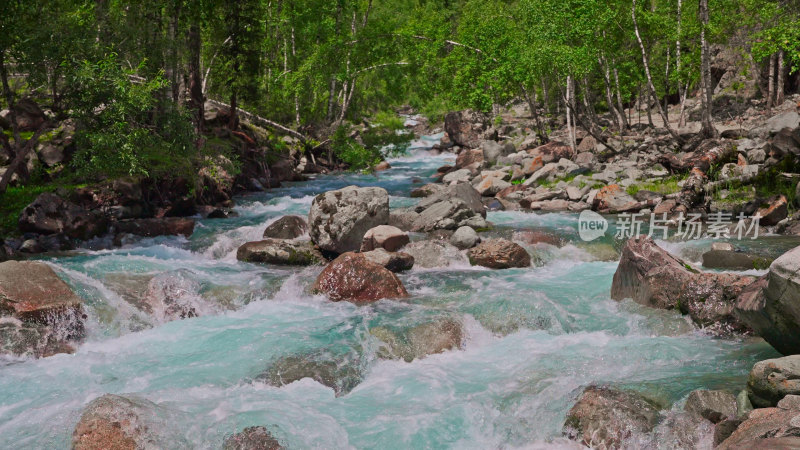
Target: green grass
665	186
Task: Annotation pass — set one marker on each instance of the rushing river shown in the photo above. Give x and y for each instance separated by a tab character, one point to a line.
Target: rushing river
533	339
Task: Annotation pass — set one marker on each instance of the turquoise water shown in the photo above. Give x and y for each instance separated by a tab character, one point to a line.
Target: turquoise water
533	339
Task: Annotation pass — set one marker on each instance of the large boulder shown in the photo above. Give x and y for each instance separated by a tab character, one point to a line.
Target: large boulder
455	206
466	128
650	276
432	254
470	158
605	417
124	423
499	254
29	116
353	277
767	428
279	251
252	438
386	237
773	379
714	406
51	214
287	227
32	292
771	306
339	219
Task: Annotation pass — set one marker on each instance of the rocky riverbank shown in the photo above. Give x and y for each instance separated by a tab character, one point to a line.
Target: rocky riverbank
359	244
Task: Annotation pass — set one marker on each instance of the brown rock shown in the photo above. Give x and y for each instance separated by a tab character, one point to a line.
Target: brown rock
499	254
613	198
383	165
469	157
171	226
287	227
775	210
352	277
652	277
279	251
553	151
114	422
32	292
766	428
607	418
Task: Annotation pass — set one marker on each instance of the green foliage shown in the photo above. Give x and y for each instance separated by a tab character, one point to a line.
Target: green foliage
664	186
355	155
124	127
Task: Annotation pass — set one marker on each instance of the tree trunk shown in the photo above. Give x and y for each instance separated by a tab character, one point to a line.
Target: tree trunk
233	116
771	82
21	153
535	114
780	79
681	90
650	84
619	98
568	112
196	100
707	128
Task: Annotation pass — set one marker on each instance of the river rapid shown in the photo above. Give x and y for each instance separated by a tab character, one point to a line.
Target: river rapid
534	338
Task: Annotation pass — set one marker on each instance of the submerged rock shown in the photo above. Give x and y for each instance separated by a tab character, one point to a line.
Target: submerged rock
252	438
652	277
353	277
606	417
730	259
172	296
125	422
386	237
339	374
770	306
420	341
499	254
30	339
434	253
287	227
394	261
773	379
280	251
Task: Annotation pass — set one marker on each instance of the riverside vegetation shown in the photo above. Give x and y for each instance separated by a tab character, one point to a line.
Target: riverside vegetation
303	224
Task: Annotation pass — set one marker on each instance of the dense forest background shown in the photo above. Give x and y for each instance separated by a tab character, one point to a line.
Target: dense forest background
135	77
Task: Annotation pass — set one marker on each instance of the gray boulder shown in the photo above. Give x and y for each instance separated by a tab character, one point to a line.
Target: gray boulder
252	438
50	214
465	238
431	254
773	379
339	219
771	307
386	237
